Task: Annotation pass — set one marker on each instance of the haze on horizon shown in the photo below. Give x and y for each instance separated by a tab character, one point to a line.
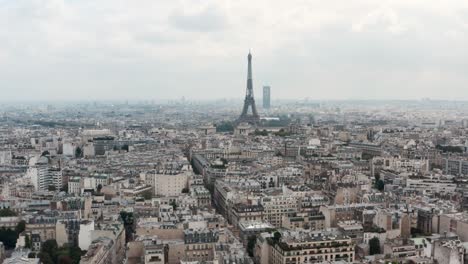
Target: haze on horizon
115	49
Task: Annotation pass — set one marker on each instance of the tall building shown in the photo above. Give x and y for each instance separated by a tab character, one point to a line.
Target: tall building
266	97
44	176
249	101
170	183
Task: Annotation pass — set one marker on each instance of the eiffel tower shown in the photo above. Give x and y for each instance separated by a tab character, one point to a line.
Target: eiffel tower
249	100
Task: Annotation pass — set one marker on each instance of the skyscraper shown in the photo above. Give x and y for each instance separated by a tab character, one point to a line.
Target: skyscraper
249	100
266	97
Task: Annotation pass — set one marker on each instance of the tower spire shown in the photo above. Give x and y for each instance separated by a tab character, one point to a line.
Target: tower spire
249	100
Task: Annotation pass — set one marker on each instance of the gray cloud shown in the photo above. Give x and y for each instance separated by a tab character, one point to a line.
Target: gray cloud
209	19
117	49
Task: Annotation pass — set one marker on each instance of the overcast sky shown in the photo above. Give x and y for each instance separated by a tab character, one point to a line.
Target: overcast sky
156	49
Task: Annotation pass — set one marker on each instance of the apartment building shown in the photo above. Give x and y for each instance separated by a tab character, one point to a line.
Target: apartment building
170	183
310	247
275	207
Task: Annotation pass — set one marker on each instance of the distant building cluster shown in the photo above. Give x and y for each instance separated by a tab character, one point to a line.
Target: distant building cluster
195	183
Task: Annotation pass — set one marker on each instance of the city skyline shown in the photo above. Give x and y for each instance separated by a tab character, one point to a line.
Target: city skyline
234	131
60	50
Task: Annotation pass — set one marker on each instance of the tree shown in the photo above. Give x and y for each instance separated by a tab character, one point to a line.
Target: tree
128	221
225	126
377	176
174	205
380	185
68	254
454	149
75	253
125	147
27	241
52	254
45	258
185	190
8	237
276	237
51	188
7	212
374	246
127	217
50	248
64	188
99	188
282	133
78	152
251	245
260	132
20	227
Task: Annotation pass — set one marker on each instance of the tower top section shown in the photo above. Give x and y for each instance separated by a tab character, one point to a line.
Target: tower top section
249	101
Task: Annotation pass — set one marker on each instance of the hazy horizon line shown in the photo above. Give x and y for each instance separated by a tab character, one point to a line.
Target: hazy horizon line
228	99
